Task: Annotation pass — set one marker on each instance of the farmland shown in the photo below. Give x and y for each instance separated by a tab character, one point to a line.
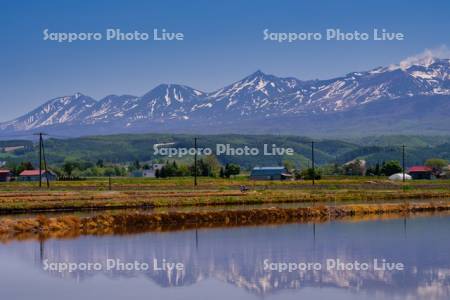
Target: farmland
216	198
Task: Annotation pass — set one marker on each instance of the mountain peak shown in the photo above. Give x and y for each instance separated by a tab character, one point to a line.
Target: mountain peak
78	95
259	73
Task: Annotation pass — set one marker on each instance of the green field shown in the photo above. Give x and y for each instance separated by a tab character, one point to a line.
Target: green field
180	192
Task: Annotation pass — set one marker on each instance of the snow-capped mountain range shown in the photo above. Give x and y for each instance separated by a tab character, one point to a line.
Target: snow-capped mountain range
256	102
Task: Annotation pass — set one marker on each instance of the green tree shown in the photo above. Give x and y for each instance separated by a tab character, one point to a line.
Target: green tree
297	174
289	165
374	170
437	164
110	171
183	170
391	167
213	165
377	171
170	169
310	173
100	163
69	166
163	173
205	169
232	169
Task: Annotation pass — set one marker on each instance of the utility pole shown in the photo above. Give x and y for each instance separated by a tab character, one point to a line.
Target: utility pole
313	163
42	157
45	164
40	160
403	162
195	162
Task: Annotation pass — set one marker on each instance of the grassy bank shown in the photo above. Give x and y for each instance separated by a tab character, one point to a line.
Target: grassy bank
41	201
186	183
134	222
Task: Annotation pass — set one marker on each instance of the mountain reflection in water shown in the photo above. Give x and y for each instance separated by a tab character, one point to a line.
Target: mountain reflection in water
235	256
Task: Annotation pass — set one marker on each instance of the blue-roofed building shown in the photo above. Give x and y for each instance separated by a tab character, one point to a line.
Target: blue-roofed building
270	173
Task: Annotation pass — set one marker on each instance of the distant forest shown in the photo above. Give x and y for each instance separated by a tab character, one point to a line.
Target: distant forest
139	147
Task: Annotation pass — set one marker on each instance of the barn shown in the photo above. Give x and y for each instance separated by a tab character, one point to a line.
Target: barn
421	172
33	175
270	173
5	175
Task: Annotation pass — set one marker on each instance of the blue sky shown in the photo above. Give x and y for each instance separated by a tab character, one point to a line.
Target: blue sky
223	43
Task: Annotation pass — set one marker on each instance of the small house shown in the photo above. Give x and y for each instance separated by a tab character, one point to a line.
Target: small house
33	175
151	173
421	172
5	175
270	173
148	173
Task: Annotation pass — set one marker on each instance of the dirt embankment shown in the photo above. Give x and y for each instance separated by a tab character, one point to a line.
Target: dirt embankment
134	222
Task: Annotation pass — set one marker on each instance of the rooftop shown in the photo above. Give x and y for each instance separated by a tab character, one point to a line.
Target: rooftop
268	168
420	169
31	173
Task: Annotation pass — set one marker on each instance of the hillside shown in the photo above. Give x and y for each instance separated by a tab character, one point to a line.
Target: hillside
126	148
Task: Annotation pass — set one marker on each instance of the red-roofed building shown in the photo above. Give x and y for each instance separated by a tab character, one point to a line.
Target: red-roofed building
33	175
421	172
5	175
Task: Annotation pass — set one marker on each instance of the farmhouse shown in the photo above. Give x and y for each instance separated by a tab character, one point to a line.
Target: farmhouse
151	173
421	172
270	173
148	173
33	175
5	175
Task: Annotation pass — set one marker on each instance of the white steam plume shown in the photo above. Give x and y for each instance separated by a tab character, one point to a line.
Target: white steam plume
425	58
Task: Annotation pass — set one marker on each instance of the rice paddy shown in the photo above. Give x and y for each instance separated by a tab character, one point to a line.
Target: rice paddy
139	204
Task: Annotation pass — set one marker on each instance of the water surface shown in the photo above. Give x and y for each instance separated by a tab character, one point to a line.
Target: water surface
229	263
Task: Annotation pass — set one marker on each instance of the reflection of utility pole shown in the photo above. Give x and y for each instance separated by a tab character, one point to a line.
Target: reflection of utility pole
42	157
314	231
41	250
313	163
196	238
404	226
195	162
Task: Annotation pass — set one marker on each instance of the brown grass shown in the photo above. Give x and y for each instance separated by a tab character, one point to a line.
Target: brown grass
71	226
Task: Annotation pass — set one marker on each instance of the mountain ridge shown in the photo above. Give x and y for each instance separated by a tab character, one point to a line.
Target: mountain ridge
258	97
